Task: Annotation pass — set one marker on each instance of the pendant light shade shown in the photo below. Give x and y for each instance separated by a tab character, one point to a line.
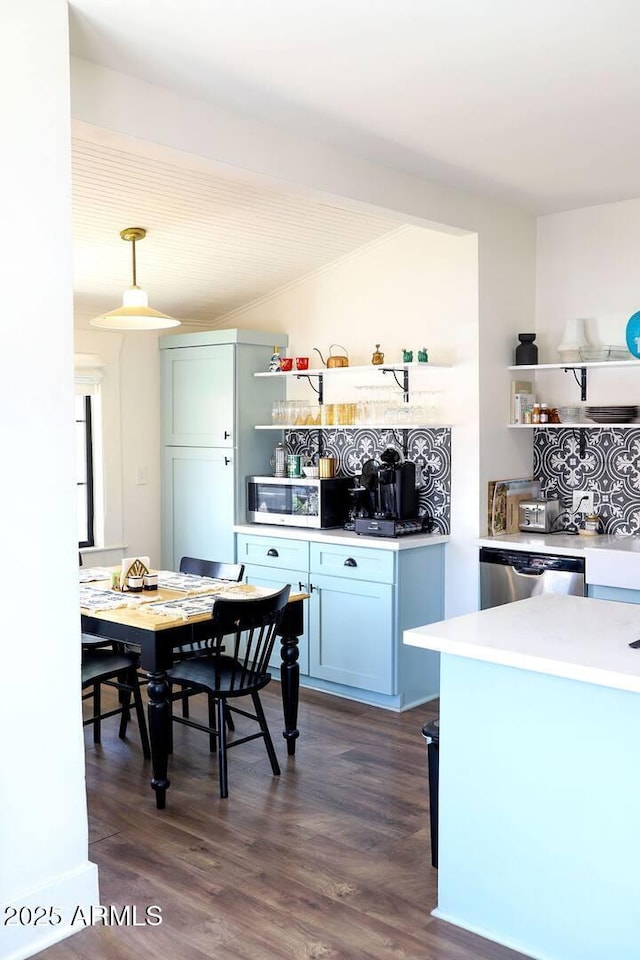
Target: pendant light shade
135	313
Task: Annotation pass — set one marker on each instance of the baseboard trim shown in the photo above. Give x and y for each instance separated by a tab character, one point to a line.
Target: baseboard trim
516	945
63	893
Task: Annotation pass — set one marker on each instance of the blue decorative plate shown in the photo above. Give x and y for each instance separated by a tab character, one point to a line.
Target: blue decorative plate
633	334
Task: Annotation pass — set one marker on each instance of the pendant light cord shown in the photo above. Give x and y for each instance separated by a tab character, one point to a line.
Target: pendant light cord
133	258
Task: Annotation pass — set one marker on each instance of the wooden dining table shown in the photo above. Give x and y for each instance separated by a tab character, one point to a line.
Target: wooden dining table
156	636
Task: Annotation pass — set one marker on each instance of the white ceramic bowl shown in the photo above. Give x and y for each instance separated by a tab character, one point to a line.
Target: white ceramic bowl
310	472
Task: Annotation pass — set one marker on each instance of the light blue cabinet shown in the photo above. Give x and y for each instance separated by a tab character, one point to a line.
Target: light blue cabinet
272	562
210	404
198	487
361	600
623	594
351	630
198	396
352	599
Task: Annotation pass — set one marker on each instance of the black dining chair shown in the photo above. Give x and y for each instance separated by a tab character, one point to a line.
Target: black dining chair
218	570
212	568
234	665
114	669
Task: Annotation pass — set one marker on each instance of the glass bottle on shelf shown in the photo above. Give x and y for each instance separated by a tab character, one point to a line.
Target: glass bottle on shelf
274	362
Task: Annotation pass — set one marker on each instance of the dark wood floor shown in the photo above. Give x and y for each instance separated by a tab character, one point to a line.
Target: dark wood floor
330	860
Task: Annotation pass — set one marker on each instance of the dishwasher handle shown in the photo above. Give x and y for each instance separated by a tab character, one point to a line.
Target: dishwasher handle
528	571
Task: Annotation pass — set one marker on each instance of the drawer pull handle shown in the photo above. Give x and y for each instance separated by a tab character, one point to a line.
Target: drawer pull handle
272	553
301	586
227	461
226	435
350	562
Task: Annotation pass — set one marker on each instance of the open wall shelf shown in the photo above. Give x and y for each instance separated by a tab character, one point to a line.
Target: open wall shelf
352	426
575	426
576	365
343	371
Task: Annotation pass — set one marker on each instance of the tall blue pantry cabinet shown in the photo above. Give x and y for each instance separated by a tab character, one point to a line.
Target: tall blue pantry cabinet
210	405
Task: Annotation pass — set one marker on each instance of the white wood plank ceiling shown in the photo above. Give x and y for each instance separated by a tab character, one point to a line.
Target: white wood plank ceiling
213	243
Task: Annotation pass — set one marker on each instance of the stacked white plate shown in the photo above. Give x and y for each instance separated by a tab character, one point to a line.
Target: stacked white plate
612	414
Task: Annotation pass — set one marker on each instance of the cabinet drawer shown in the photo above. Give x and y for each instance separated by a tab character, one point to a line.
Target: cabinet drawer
353	562
273	552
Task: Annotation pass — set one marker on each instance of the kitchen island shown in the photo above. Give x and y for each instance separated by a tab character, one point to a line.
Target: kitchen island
539	839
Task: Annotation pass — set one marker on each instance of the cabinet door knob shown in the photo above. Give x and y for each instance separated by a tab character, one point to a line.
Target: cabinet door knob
350	562
272	553
226	435
302	586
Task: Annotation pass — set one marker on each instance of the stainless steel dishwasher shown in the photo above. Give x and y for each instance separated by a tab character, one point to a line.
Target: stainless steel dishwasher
508	575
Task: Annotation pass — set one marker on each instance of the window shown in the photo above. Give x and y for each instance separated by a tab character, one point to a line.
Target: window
84	470
88	416
97	443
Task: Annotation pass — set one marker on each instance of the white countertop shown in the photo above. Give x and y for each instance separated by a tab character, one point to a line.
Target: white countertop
337	536
564	636
561	544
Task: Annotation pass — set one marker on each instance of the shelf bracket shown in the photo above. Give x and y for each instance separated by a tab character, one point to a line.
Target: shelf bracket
581	381
319	389
404	386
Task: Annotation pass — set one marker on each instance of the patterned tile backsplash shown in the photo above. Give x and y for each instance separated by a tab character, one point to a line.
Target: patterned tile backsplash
610	468
428	447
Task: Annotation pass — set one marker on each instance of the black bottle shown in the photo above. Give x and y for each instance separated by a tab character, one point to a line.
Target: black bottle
526	351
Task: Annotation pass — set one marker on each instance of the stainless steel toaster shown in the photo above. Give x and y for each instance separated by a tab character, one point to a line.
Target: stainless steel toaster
538	516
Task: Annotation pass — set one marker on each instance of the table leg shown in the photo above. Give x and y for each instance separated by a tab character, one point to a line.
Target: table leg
159	712
291	627
290	685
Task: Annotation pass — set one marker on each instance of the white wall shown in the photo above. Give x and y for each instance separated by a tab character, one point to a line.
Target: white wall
43	815
132	111
413	288
588	267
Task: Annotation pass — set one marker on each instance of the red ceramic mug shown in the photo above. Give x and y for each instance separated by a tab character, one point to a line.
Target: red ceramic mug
302	363
286	363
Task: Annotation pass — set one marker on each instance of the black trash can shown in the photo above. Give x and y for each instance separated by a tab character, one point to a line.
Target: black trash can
431	733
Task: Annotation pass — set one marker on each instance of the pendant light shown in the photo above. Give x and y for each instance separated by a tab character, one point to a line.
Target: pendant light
134	314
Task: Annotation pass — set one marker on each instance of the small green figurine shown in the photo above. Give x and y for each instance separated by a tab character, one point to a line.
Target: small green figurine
423	356
407	355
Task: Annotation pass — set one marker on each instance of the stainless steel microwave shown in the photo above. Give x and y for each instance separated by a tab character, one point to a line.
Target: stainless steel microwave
298	502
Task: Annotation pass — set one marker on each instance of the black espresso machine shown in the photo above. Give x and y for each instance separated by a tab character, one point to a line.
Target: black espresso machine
385	499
